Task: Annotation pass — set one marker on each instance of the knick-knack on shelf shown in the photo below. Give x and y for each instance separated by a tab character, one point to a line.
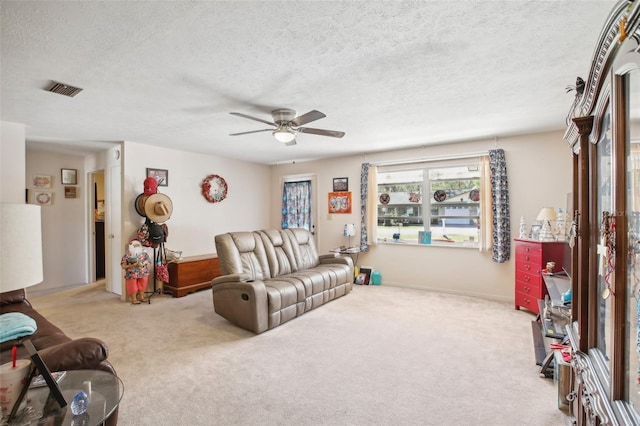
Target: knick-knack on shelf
545	233
523	228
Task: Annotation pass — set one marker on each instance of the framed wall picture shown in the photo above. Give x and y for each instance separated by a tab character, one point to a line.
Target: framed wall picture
339	202
340	184
69	176
160	175
69	192
42	181
43	198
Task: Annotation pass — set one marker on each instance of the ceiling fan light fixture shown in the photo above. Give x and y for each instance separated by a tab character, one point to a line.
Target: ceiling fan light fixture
284	135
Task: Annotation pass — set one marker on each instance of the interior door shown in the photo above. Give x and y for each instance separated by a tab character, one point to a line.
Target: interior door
113	220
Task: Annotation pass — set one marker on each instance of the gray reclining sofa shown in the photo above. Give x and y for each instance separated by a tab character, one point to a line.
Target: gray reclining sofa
272	276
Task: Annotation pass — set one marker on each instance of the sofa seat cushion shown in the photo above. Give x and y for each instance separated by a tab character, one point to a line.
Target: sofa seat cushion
285	300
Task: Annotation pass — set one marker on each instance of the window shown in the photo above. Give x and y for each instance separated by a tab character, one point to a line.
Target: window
441	199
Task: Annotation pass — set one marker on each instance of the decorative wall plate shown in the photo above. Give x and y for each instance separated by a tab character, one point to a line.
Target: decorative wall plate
474	195
214	188
384	198
439	195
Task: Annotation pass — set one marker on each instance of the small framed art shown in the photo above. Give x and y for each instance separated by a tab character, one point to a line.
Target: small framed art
535	231
339	202
160	175
340	184
69	192
42	181
43	198
69	176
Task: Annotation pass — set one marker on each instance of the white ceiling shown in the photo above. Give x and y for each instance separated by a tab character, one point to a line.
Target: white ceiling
390	74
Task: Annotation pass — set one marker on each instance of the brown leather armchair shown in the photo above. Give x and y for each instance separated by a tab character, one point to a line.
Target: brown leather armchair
58	351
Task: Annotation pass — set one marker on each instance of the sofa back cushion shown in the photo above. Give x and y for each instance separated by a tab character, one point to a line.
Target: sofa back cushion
279	252
303	247
242	252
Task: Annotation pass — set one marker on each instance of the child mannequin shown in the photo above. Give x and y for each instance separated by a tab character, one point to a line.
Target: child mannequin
136	265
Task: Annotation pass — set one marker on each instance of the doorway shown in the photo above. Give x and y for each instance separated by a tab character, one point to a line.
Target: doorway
299	203
98	220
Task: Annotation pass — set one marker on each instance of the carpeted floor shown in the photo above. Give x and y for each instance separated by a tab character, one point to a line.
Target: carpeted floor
379	356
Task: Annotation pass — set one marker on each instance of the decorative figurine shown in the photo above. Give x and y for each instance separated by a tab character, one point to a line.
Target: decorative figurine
136	265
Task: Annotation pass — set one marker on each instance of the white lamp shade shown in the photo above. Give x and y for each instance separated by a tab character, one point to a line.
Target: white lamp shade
20	246
283	135
547	213
349	230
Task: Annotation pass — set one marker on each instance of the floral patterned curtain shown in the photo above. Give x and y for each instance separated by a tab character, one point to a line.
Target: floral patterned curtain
500	199
364	191
296	205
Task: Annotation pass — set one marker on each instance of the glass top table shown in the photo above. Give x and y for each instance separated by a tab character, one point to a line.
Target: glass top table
104	389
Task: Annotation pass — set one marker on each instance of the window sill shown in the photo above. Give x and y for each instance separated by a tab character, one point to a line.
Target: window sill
463	245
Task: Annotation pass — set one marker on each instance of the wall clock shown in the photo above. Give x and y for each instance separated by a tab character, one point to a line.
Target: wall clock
214	188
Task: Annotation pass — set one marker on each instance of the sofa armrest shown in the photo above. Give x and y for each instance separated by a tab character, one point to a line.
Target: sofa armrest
81	354
231	278
15	296
330	258
244	303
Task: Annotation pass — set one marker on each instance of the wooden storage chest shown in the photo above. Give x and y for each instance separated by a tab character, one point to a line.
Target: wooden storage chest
191	274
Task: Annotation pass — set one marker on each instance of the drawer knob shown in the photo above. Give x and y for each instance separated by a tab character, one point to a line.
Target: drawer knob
527	267
526	258
527	278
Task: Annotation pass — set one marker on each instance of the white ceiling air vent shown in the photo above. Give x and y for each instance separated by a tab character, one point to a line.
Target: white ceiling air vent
63	89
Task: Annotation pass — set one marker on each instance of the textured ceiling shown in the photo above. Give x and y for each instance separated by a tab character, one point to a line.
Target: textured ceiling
390	74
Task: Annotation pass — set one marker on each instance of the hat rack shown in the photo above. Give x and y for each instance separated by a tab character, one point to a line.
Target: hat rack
155	208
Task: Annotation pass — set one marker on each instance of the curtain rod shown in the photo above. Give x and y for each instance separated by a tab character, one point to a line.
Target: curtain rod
428	159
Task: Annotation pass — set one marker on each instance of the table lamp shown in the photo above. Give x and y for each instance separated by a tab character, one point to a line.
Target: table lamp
20	246
349	231
546	215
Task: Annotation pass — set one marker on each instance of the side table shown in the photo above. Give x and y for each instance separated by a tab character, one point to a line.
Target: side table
40	408
347	251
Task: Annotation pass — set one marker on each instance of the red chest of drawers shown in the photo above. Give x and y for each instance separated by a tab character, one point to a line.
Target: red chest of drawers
531	259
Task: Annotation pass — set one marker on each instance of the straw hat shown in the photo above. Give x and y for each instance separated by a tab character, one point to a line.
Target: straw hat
139	204
158	208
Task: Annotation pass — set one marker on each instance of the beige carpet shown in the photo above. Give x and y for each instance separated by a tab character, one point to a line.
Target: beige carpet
379	356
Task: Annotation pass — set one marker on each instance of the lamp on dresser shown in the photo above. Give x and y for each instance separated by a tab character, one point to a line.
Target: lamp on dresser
20	246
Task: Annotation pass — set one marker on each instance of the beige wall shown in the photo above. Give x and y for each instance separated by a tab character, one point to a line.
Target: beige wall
539	170
64	234
195	221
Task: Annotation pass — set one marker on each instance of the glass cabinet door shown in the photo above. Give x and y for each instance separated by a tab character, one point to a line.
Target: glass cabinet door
604	205
632	158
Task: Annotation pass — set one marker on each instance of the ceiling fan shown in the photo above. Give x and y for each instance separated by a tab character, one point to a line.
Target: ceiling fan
287	125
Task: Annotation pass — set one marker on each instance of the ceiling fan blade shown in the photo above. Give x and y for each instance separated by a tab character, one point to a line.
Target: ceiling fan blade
307	118
293	142
253	131
321	132
239	114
